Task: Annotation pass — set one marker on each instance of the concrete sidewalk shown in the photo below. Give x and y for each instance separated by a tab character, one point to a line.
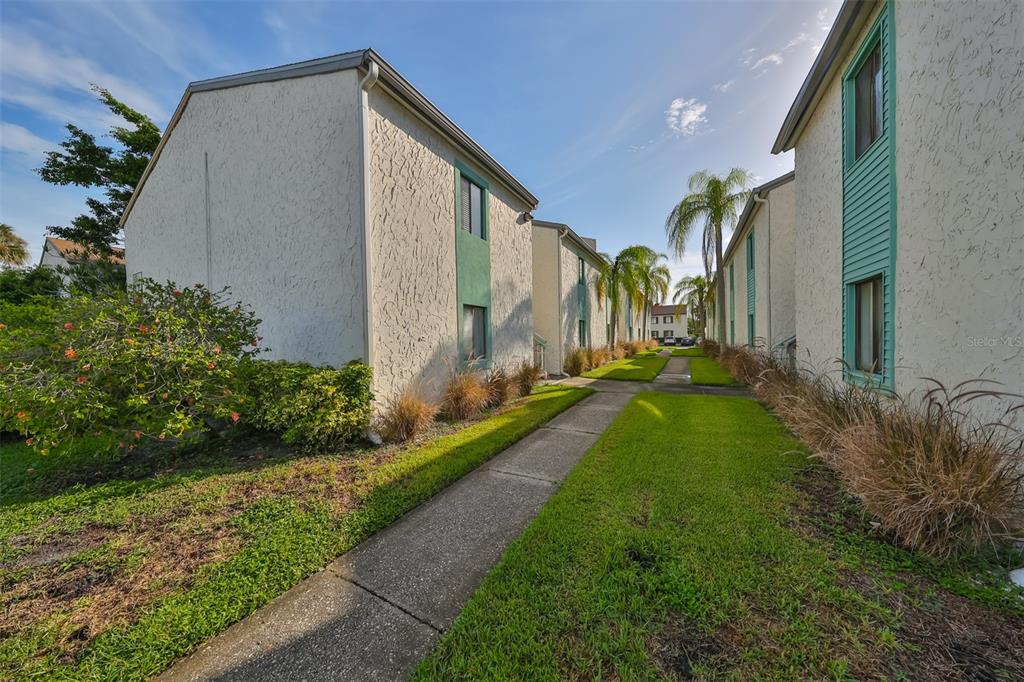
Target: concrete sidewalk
377	611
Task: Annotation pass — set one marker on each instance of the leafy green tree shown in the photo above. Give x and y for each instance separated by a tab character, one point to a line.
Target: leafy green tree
84	162
654	282
619	280
693	292
22	285
13	249
713	202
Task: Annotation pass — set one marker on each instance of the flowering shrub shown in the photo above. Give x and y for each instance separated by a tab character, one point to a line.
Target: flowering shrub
154	363
315	408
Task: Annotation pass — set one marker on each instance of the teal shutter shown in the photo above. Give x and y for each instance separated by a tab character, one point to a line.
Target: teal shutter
869	201
732	304
472	256
751	289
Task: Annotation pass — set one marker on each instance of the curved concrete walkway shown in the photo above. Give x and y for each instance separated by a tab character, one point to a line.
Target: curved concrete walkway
377	611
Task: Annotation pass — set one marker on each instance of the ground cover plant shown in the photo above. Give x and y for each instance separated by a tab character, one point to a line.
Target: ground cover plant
707	372
643	366
725	554
111	566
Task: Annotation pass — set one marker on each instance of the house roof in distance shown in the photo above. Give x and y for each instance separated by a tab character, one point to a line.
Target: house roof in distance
402	89
665	309
73	252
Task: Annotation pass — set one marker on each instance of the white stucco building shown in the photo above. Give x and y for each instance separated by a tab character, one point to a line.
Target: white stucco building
353	216
909	145
566	311
760	297
667	321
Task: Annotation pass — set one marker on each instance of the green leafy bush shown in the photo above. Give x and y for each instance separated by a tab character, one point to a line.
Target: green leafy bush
154	363
316	408
21	285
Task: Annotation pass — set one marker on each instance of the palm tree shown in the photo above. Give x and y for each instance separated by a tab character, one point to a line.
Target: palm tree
654	282
13	249
693	292
713	202
618	281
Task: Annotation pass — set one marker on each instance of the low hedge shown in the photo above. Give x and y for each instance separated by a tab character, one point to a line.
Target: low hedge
314	408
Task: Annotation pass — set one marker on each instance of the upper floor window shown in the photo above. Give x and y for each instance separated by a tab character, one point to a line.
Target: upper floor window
750	252
867	105
471	198
582	271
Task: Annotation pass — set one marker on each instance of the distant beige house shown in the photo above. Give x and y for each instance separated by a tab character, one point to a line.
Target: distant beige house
908	134
352	215
760	297
667	321
62	254
566	311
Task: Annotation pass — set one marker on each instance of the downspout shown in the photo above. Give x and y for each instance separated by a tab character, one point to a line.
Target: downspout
365	85
768	293
562	231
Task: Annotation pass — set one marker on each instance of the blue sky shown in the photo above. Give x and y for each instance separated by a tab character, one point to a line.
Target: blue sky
601	109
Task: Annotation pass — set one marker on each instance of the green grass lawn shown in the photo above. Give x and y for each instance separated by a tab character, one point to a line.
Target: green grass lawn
115	579
693	352
707	372
684	545
641	367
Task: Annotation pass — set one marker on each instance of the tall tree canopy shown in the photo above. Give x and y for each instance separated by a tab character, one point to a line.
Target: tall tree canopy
620	280
13	249
713	202
693	292
84	162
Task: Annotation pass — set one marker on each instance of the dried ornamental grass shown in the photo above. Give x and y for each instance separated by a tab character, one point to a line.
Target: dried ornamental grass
500	387
406	416
576	362
464	397
526	376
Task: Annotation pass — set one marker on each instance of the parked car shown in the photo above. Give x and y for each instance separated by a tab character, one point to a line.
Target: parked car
688	341
668	341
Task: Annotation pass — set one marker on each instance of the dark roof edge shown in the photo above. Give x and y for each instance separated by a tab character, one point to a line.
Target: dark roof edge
750	208
577	239
848	23
360	59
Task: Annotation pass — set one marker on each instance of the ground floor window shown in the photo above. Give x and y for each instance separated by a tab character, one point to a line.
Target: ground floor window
474	332
868	325
654	333
668	333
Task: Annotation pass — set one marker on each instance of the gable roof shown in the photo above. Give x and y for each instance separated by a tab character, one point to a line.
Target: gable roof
588	245
660	309
73	252
750	209
358	59
850	20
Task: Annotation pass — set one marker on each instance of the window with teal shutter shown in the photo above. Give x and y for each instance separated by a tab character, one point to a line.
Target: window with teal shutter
472	267
732	304
869	207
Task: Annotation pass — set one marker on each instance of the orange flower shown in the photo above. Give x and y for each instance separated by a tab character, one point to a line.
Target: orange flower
211	365
130	342
21	416
235	416
143	329
69	325
81	380
216	350
138	435
86	367
30	441
2	326
177	292
70	353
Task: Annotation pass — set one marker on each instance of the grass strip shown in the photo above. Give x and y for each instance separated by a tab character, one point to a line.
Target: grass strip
284	542
707	372
694	352
675	550
640	367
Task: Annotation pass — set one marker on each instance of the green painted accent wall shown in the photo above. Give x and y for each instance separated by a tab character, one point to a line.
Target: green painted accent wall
473	262
751	288
869	202
732	303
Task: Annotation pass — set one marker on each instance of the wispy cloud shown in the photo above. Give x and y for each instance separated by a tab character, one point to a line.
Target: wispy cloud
19	140
803	39
685	116
768	59
724	87
822	19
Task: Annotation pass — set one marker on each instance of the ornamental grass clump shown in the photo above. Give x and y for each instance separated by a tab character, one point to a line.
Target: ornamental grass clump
710	347
157	363
576	362
637	347
598	356
464	396
406	417
619	352
526	377
500	387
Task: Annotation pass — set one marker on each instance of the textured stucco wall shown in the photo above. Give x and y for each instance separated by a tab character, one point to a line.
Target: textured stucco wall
285	182
960	179
570	308
412	182
781	248
545	294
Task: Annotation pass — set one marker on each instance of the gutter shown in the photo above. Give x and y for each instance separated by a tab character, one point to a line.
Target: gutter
768	294
365	85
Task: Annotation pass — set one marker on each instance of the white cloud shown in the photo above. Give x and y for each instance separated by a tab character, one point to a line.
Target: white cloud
803	39
14	138
684	116
724	87
823	23
768	59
